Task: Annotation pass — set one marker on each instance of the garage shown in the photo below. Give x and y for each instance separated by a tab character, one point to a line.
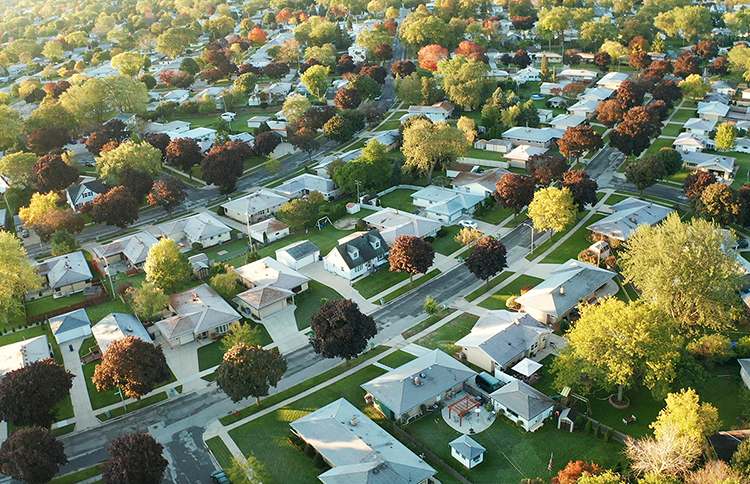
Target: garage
298	254
69	326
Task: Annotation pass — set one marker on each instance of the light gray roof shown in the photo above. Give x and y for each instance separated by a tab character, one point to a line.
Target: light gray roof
200	226
23	353
584	105
262	296
467	447
398	391
541	135
446	201
65	270
307	182
524	400
205	308
578	280
713	107
486	180
745	364
628	217
270	272
134	247
69	321
393	223
256	202
362	453
701	124
299	250
199	261
117	326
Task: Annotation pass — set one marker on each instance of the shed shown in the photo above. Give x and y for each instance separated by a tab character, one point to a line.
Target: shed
69	326
567	420
298	254
467	451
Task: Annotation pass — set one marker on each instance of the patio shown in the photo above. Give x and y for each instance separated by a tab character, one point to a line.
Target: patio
477	419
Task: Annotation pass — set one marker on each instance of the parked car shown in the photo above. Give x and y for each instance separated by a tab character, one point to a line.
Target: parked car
25	233
469	224
537	96
220	477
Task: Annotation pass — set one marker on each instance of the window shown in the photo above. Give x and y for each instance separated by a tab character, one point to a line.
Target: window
223	328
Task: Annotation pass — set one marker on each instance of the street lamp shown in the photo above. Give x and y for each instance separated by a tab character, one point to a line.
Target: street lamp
532	235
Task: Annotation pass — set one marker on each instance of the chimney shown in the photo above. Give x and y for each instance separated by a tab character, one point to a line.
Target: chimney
562	290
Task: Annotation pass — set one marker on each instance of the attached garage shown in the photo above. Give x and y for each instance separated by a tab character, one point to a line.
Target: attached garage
69	326
298	254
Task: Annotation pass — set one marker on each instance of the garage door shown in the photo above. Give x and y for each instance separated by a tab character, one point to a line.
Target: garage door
187	338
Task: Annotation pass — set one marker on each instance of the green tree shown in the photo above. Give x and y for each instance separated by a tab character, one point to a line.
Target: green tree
298	213
741	458
315	80
11	127
130	154
431	306
428	145
726	137
552	209
225	282
718	203
62	242
174	41
249	371
369	39
53	50
246	471
244	333
166	267
17	168
465	81
295	106
554	22
128	63
148	301
688	415
425	31
691	21
693	87
372	168
245	83
88	102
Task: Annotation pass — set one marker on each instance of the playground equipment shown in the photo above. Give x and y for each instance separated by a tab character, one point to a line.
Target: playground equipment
567	398
322	222
626	421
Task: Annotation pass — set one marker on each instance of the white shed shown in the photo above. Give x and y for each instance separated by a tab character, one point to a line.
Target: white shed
298	254
467	451
69	326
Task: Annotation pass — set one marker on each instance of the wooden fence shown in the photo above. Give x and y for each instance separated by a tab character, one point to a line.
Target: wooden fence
87	303
450	470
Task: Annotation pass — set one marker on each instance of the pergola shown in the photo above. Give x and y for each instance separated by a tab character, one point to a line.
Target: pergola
462	407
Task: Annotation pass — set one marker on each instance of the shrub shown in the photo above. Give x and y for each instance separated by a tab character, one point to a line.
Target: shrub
429	239
589	426
608	436
742	348
579	422
318	462
197	246
252	257
564	325
361	225
441	233
221	210
598	432
527	288
309	450
511	302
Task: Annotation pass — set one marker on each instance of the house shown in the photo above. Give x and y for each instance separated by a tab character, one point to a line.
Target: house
278	90
118	326
391	139
467	451
712	111
66	274
306	183
745	370
541	137
444	204
457	168
200	229
278	127
693	142
3	218
518	157
392	223
545	115
727	88
269	230
178	96
132	248
529	74
721	166
21	354
176	127
578	75
500	339
69	326
742	145
553	299
629	214
358	450
271	287
256	121
612	80
480	184
584	108
254	207
597	94
322	168
197	314
494	145
85	192
523	404
212	94
746	93
298	254
552	57
549	88
716	97
200	264
242	138
357	255
205	137
424	381
436	112
699	126
565	121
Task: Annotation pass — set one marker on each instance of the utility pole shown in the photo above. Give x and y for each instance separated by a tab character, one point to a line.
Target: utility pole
358	183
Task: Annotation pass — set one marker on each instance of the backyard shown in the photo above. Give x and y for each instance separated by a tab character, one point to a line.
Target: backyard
497	300
399	199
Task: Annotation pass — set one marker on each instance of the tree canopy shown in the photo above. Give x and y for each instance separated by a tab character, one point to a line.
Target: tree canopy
552	209
340	330
411	254
135	457
32	455
133	365
249	371
44	383
166	266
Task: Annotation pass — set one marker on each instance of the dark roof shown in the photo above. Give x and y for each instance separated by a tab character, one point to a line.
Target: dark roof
363	248
300	250
725	443
96	186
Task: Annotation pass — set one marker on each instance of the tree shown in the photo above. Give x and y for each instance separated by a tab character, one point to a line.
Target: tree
431	306
246	471
402	68
167	267
741	458
304	139
720	66
249	371
32	455
139	156
671	159
574	470
276	70
582	188
295	107
670	455
17	274
427	145
265	143
183	153
44	140
546	168
43	382
572	90
667	91
608	477
552	209
240	333
160	141
468	236
687	66
411	254
18	167
685	413
62	242
347	99
629	95
132	365
174	41
189	65
340	330
719	203
167	192
39	205
225	282
602	60
372	169
315	80
148	300
685	269
344	126
693	87
135	457
116	207
633	134
426	30
579	139
609	112
644	172
488	258
696	182
465	81
245	83
639	60
726	137
514	191
52	173
224	164
298	213
706	49
383	52
128	63
430	55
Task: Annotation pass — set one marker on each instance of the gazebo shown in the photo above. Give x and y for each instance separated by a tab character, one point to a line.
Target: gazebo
462	407
527	367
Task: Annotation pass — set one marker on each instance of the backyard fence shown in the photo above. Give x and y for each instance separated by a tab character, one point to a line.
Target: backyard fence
450	470
87	303
482	162
399	187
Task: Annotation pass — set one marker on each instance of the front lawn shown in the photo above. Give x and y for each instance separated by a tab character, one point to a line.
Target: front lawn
103	399
658	144
446	245
396	359
497	300
682	115
484	155
445	336
404	289
220	451
399	199
210	355
309	302
573	245
672	130
495	215
389	125
493	282
615	198
380	281
325	239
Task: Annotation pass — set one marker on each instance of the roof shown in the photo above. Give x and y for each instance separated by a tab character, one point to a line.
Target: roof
65	270
467	447
586	105
117	326
613	78
199	261
567	285
97	186
307	182
417	381
596	94
524	152
268	225
541	135
392	223
503	335
713	108
446	201
270	272
69	321
299	250
134	247
577	73
260	297
362	453
202	307
522	399
256	202
441	107
629	214
166	127
745	364
691	139
486	180
708	161
23	353
362	248
200	226
700	124
567	120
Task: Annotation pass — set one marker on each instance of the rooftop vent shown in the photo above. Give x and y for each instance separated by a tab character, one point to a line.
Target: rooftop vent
562	290
353	421
130	329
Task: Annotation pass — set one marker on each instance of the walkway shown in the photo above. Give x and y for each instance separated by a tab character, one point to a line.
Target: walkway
84	414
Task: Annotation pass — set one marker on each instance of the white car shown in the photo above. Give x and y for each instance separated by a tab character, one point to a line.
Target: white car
469	224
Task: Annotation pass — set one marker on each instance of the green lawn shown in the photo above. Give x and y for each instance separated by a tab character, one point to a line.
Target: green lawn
682	115
49	303
399	199
325	238
394	360
97	313
283	462
79	476
419	327
658	144
210	355
444	337
233	246
404	289
308	302
379	281
484	155
496	215
493	282
743	170
132	407
447	244
573	245
615	198
220	451
672	130
497	300
103	399
389	125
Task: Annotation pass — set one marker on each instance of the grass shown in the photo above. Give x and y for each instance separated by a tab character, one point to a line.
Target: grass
104	399
378	282
213	252
484	155
302	387
672	130
97	313
283	461
399	199
389	125
49	303
497	300
419	327
658	144
308	302
132	407
615	198
394	360
573	245
220	451
495	215
444	337
493	282
404	289
682	115
63	430
325	238
210	355
447	244
743	170
79	476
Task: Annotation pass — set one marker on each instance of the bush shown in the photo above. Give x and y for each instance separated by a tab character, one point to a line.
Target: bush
361	225
441	233
318	462
589	426
309	450
221	210
197	246
579	422
608	436
742	348
564	325
511	302
598	432
429	239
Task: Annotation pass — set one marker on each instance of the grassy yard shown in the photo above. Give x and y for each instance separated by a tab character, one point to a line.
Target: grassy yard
404	289
615	198
389	125
672	129
210	355
379	281
658	144
743	170
573	245
444	337
447	244
497	300
493	282
484	155
325	238
399	199
220	451
97	313
79	476
496	215
213	252
394	360
418	328
49	303
132	407
308	302
682	115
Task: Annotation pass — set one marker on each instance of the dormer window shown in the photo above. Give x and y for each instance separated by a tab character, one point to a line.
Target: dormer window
353	252
376	244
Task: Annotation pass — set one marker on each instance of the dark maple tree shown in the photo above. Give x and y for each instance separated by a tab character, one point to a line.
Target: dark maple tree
345	64
134	365
403	68
139	183
134	458
639	60
383	52
315	117
304	139
720	66
341	330
265	143
572	57
160	141
347	99
95	142
629	95
744	195
578	139
644	172
276	70
546	168
521	59
43	140
514	191
52	173
116	130
183	153
602	60
667	91
671	159
56	219
639	44
224	164
609	112
378	73
55	89
32	455
686	65
581	186
44	382
525	22
249	371
696	182
250	69
211	76
706	49
167	192
488	258
411	254
308	64
116	207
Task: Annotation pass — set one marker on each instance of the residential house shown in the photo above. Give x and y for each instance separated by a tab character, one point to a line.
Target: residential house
597	94
278	90
457	168
498	74
174	128
712	97
243	137
693	142
629	214
712	111
85	192
178	96
699	126
3	218
271	287
744	370
742	145
545	115
200	264
541	137
612	80
424	381
132	248
444	204
391	139
467	451
357	449
523	404
257	121
205	137
357	255
118	326
578	75
200	229
518	157
254	207
321	169
494	145
556	102
197	314
529	74
552	57
746	93
211	94
721	166
727	88
437	112
21	354
269	230
500	339
565	121
278	127
304	184
479	183
549	88
66	274
298	254
392	223
584	108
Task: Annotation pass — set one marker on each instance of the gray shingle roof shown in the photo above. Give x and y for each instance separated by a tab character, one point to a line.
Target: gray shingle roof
117	326
97	186
69	321
65	270
524	400
360	250
467	447
628	217
299	250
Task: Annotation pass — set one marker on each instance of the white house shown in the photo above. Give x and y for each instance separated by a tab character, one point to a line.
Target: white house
392	223
205	137
303	185
176	127
444	204
178	96
523	404
271	287
201	228
746	93
597	94
565	121
529	74
69	326
254	207
436	112
298	254
467	451
629	214
578	75
494	145
132	248
723	167
724	87
549	88
85	192
612	80
585	108
518	157
268	230
21	354
699	126
742	145
118	326
712	111
545	115
541	137
357	255
693	142
257	121
481	184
